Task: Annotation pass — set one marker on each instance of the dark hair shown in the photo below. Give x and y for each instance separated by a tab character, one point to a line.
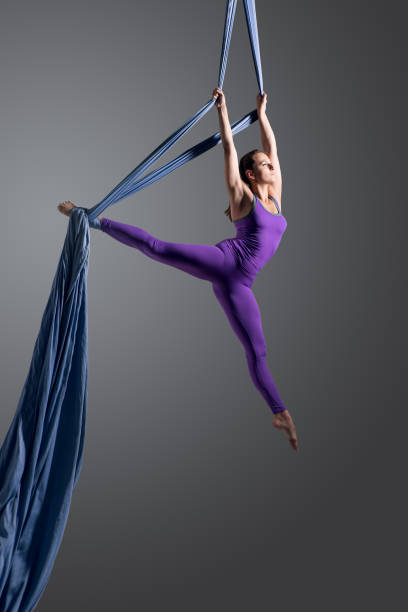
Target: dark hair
245	163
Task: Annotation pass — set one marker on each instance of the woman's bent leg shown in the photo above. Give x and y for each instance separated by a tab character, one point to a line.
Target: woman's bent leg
200	260
242	310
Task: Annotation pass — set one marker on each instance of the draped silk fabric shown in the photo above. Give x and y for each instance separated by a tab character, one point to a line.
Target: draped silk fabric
41	456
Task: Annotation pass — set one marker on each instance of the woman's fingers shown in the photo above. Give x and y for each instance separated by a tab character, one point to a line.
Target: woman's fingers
218	94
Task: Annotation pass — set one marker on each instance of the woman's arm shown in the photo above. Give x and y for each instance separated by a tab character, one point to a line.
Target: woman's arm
231	163
267	136
225	128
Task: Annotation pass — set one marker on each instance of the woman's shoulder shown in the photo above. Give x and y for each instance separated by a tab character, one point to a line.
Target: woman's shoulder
246	197
243	203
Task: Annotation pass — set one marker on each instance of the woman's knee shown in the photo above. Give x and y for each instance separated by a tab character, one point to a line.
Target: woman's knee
152	246
256	351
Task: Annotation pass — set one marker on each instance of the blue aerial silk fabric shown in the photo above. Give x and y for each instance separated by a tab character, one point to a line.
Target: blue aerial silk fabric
41	456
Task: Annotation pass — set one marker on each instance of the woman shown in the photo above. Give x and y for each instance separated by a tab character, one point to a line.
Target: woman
254	187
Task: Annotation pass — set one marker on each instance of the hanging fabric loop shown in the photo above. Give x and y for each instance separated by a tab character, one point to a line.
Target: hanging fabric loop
132	182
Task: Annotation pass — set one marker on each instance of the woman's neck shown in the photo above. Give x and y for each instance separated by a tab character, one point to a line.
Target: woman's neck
261	192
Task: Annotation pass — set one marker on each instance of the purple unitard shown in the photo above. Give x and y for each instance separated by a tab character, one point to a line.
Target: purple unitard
231	266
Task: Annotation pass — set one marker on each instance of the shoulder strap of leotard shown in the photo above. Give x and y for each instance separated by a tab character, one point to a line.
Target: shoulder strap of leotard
277	205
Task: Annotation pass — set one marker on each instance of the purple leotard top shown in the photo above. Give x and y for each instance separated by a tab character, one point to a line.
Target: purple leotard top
257	239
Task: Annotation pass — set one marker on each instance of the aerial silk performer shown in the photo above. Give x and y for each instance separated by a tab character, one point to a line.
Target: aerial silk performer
41	456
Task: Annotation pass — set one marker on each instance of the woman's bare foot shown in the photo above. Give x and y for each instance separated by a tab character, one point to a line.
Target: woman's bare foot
284	421
66	207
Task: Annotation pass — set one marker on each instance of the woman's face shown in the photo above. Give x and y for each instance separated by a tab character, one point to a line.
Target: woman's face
263	170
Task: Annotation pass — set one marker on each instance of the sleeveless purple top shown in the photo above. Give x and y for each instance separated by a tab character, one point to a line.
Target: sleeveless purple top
257	238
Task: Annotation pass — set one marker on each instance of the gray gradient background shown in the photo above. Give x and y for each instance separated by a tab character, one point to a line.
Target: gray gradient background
188	497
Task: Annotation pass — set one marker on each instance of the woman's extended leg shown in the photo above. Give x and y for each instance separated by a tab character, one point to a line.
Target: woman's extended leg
242	310
200	260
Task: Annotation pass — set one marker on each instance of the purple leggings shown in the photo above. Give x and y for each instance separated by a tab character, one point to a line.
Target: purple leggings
212	263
